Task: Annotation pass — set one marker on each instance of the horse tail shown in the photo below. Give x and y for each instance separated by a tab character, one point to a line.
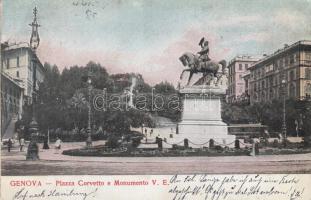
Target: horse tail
223	64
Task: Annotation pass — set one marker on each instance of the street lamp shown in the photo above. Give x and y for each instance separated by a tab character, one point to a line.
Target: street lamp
33	151
284	111
89	128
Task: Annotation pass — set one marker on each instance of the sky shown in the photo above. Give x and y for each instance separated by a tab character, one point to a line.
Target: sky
148	36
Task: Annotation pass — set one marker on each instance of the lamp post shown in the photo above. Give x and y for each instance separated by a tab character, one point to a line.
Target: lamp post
32	151
284	111
89	128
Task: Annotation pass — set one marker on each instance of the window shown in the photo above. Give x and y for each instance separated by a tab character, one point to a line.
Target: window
308	90
240	76
291	75
296	58
240	67
292	90
281	63
17	74
270	94
8	63
308	73
286	61
263	96
276	66
246	66
267	83
271	80
276	80
291	59
17	61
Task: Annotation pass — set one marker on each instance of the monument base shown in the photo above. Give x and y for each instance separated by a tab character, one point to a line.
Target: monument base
199	133
201	117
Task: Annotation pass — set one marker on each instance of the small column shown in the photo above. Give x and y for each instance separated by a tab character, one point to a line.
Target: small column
186	143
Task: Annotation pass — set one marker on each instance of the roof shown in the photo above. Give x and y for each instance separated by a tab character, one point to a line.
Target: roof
23	45
244	58
16	46
281	51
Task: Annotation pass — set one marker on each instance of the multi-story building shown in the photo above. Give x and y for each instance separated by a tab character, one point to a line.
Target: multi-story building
11	101
21	63
285	72
246	77
238	66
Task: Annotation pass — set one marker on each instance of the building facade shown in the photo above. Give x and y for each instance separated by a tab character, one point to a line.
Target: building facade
11	100
20	62
285	72
237	68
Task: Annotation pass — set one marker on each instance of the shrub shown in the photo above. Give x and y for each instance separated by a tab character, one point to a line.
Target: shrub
136	141
113	142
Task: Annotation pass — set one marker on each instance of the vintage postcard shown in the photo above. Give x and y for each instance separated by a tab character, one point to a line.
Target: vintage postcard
151	99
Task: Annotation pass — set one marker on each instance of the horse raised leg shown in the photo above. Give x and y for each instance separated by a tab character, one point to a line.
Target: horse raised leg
182	73
190	76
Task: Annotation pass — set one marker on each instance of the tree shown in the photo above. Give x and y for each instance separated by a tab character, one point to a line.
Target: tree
79	104
169	93
165	88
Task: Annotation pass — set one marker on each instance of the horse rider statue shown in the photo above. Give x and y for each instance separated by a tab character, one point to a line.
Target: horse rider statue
201	63
204	51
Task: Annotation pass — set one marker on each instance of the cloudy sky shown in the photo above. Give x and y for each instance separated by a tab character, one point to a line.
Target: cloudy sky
149	36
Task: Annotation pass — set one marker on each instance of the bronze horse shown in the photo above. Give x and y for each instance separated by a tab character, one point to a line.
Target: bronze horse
196	66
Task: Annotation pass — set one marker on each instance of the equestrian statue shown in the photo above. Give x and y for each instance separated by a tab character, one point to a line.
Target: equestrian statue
202	64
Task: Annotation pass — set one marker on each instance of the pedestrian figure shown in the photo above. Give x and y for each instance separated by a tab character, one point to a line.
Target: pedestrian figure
253	152
58	143
10	145
45	143
145	131
32	151
266	133
21	144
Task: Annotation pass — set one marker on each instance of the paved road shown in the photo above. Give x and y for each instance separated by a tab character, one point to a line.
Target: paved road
54	163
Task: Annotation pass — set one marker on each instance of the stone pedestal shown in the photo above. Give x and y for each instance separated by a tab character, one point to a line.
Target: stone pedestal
33	149
201	116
